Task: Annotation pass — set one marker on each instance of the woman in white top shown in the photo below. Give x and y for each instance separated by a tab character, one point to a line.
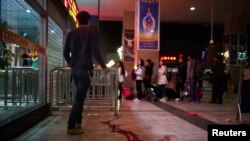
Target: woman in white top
121	74
139	75
162	80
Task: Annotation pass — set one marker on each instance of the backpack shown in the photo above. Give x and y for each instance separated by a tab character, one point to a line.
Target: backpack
133	75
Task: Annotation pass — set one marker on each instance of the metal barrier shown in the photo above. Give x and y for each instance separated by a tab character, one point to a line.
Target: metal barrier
20	87
102	93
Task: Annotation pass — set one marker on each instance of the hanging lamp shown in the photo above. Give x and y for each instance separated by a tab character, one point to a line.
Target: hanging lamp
212	22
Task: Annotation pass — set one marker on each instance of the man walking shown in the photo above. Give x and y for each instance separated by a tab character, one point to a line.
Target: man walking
80	44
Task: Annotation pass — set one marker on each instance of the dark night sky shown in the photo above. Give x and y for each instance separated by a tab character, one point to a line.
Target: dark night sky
186	38
173	37
111	35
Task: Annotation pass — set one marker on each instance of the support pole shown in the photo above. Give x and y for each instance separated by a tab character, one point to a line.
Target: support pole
238	114
98	12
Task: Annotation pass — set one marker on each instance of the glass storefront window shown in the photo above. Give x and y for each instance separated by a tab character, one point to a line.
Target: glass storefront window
19	82
42	2
19	76
17	16
55	45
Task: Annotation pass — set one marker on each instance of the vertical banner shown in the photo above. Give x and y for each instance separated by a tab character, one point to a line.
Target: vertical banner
149	24
128	39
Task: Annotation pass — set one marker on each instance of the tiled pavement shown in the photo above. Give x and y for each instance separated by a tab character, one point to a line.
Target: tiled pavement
141	121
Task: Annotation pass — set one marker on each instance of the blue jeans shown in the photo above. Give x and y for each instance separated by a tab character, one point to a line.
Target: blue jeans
82	83
193	87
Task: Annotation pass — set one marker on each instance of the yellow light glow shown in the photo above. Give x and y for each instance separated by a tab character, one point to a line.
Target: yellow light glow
119	51
72	8
110	63
226	54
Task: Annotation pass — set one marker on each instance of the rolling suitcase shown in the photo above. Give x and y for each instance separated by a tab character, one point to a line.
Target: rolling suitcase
171	93
149	95
157	92
127	93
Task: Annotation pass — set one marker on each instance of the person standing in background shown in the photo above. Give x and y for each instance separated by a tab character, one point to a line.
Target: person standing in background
181	77
162	80
80	45
191	77
139	75
121	74
147	78
218	80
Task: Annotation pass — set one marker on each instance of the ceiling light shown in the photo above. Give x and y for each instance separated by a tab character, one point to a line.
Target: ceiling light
212	23
28	11
52	31
211	41
192	8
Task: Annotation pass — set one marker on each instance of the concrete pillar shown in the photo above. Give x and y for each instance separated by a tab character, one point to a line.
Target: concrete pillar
145	22
128	26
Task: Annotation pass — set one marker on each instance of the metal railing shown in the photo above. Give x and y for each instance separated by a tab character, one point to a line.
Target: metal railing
102	93
19	87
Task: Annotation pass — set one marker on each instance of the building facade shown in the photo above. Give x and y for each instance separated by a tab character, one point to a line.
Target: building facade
32	34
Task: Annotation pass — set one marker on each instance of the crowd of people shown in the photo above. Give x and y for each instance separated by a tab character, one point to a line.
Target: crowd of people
186	85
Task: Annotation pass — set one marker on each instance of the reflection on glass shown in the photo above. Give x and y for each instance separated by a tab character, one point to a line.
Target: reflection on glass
19	17
42	2
19	75
19	82
23	57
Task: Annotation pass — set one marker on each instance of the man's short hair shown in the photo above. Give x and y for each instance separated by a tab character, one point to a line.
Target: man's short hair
83	17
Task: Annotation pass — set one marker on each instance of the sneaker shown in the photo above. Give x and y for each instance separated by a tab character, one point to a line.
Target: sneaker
163	100
74	131
137	100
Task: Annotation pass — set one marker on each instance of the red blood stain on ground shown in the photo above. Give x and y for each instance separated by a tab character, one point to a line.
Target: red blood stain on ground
126	107
166	138
128	134
193	114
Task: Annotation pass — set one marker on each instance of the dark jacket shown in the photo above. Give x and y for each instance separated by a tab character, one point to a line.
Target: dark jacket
191	68
182	71
82	43
148	71
218	74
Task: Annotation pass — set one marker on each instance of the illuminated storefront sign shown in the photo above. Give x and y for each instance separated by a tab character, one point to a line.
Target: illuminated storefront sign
168	58
71	7
16	39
